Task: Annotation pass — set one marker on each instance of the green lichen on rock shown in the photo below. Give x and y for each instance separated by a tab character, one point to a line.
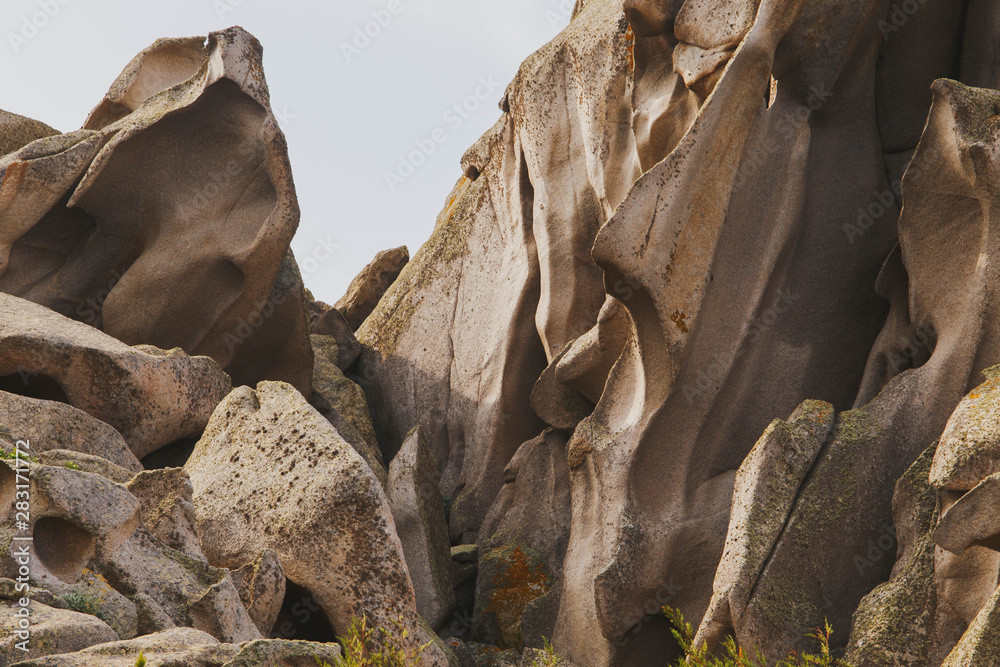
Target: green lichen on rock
970	446
892	624
447	245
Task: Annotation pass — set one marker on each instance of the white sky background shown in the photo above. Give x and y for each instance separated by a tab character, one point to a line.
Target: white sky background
347	123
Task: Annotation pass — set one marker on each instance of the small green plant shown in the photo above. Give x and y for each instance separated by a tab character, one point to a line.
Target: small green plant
736	657
548	658
14	455
73	465
85	604
141	660
364	646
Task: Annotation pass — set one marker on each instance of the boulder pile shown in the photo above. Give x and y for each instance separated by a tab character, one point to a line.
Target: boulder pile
706	324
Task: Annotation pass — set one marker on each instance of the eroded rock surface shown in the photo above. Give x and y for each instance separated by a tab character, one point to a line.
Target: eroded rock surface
88	528
418	513
367	288
92	221
49	425
271	472
152	397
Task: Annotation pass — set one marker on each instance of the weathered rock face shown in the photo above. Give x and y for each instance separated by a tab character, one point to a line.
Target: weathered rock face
893	624
343	404
744	272
192	648
166	508
694	329
52	631
18	131
49	425
734	276
763	495
368	287
152	397
931	325
522	544
418	513
91	221
321	509
261	585
507	281
325	320
85	525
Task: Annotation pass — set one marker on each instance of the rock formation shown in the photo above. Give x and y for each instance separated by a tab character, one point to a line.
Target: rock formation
271	472
706	323
182	151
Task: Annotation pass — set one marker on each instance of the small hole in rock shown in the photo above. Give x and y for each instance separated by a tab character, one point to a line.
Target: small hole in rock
63	548
33	386
302	618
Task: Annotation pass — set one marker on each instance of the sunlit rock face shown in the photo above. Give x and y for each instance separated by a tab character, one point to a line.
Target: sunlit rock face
166	219
686	224
707	322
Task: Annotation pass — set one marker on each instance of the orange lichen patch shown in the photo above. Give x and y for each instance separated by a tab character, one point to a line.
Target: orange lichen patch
577	453
518	581
630	38
678	318
451	202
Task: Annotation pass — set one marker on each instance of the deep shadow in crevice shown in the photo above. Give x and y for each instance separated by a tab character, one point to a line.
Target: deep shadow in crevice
33	386
174	455
302	618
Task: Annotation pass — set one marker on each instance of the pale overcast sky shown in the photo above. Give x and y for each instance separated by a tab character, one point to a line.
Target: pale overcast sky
349	113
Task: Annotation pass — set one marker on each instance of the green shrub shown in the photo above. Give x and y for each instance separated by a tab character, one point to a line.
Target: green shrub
364	646
141	660
85	604
735	656
548	658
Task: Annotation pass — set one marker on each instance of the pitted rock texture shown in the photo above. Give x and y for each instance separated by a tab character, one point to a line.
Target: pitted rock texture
152	397
86	528
271	472
50	425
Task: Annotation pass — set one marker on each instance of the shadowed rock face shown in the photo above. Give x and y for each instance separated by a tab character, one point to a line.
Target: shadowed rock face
507	281
745	298
746	248
941	303
166	219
